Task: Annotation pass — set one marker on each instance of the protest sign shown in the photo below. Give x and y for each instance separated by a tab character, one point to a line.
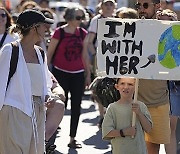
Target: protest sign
140	48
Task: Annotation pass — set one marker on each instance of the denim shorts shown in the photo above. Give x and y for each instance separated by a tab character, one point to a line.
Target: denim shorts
174	99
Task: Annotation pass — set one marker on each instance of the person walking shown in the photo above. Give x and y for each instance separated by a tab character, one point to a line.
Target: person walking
22	97
54	116
174	90
154	93
70	64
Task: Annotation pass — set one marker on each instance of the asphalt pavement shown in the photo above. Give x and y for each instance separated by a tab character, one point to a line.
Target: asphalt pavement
88	133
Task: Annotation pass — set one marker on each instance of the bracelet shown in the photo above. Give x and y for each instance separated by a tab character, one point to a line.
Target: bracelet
121	133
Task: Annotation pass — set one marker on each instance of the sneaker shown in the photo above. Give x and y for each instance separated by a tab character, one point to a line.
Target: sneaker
50	148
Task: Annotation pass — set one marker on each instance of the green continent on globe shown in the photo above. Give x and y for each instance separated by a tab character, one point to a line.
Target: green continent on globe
175	32
161	47
179	47
168	60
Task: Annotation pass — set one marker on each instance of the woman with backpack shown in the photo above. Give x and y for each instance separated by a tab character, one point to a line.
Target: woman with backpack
70	63
23	92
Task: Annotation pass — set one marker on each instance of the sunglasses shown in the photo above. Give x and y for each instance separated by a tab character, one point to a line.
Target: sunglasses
145	5
80	17
3	15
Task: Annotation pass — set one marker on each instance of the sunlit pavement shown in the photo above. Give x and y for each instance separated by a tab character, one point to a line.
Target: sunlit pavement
88	133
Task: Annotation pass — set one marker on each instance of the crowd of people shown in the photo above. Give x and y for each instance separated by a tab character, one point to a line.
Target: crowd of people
43	60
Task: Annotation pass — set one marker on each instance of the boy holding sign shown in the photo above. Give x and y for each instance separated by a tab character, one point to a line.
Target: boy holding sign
117	121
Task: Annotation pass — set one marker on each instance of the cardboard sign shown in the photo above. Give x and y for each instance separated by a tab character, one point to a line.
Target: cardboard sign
140	48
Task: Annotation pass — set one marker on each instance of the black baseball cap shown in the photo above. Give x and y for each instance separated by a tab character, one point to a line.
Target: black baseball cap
30	17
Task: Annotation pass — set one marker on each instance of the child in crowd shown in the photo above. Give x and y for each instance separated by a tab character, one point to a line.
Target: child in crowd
117	121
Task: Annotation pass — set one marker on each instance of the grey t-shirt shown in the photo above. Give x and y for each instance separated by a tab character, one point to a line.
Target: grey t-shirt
119	116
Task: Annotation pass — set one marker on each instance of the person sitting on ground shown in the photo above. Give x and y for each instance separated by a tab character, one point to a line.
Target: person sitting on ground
54	115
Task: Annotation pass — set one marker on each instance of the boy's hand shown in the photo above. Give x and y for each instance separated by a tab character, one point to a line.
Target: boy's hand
136	108
130	131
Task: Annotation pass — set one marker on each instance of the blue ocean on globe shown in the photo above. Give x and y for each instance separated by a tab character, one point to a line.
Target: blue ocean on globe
169	47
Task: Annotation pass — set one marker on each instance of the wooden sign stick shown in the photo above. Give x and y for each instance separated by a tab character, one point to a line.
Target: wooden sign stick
135	100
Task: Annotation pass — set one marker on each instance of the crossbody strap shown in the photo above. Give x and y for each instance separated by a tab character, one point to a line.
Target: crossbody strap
61	31
3	39
13	61
81	33
42	53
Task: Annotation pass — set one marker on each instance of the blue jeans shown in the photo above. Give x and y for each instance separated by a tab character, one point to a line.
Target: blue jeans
174	98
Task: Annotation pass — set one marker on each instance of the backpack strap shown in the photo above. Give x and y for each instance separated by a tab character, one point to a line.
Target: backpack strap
3	38
61	31
81	33
42	53
13	61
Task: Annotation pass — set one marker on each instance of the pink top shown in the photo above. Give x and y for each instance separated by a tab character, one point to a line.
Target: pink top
69	53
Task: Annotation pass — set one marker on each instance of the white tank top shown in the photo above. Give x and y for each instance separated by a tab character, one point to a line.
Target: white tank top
36	77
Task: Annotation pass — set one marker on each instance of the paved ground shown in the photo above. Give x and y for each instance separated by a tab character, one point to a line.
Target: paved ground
88	133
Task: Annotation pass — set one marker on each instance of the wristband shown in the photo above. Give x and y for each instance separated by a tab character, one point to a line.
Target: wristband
121	133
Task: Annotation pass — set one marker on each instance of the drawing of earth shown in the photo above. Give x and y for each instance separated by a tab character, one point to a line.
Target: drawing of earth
169	47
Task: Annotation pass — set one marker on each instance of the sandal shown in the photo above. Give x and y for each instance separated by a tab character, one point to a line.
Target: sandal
51	149
75	145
